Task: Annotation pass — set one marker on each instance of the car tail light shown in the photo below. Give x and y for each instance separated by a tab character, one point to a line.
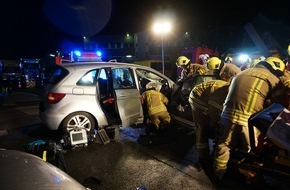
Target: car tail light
54	98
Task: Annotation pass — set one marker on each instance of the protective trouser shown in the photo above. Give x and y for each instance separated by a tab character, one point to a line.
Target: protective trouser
232	134
201	131
158	117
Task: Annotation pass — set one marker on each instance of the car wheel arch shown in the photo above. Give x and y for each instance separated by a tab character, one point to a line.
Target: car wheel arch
82	115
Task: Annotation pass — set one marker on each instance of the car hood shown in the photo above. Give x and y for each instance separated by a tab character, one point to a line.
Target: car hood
21	170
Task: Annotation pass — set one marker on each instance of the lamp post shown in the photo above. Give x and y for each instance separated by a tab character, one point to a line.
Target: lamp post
85	40
162	28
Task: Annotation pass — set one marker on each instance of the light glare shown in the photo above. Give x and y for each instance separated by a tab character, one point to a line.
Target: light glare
162	27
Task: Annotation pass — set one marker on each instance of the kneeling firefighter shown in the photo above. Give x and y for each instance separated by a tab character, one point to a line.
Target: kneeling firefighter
156	103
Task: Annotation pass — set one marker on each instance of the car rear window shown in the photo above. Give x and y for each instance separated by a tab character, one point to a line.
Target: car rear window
57	74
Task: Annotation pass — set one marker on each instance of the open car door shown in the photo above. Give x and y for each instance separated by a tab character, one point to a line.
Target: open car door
127	96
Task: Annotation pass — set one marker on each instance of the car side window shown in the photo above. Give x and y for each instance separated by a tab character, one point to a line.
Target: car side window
89	79
123	78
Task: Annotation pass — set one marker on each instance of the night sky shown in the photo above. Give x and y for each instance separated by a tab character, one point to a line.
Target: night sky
36	27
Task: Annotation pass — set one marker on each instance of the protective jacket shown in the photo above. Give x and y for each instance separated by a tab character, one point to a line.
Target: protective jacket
282	96
248	93
228	70
156	105
192	69
155	101
200	94
199	99
215	105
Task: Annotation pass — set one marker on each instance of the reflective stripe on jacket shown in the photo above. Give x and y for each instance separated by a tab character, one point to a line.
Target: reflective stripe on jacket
247	94
200	94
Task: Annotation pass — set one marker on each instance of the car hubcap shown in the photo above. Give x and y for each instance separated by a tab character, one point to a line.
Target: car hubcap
79	122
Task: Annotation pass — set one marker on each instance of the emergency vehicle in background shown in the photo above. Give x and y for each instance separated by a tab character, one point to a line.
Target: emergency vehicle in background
194	53
10	76
31	71
77	56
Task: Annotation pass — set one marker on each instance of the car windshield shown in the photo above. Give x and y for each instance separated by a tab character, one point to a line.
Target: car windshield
150	76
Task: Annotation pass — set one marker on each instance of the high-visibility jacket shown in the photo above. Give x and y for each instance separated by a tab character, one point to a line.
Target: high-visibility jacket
282	96
216	100
200	94
248	93
228	71
193	68
198	100
155	100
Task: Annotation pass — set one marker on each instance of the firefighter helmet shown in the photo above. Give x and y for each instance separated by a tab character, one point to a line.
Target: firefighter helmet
262	58
182	61
204	56
207	56
229	59
276	63
201	56
153	85
214	63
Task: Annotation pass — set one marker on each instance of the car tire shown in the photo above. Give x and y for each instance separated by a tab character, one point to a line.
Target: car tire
78	120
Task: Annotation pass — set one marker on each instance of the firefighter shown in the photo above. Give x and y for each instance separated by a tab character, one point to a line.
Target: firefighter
222	70
282	96
199	102
203	58
189	69
156	103
215	107
198	99
248	93
228	59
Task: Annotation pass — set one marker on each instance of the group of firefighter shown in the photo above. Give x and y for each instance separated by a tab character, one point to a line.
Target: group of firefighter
221	107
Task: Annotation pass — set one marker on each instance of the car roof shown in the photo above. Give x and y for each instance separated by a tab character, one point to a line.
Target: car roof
88	65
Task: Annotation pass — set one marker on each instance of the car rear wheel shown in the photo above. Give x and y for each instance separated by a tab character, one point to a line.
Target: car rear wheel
77	121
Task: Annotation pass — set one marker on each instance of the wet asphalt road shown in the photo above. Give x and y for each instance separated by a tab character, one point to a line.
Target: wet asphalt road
120	164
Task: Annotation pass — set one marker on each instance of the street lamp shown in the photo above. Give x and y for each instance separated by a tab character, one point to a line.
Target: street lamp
85	41
162	28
